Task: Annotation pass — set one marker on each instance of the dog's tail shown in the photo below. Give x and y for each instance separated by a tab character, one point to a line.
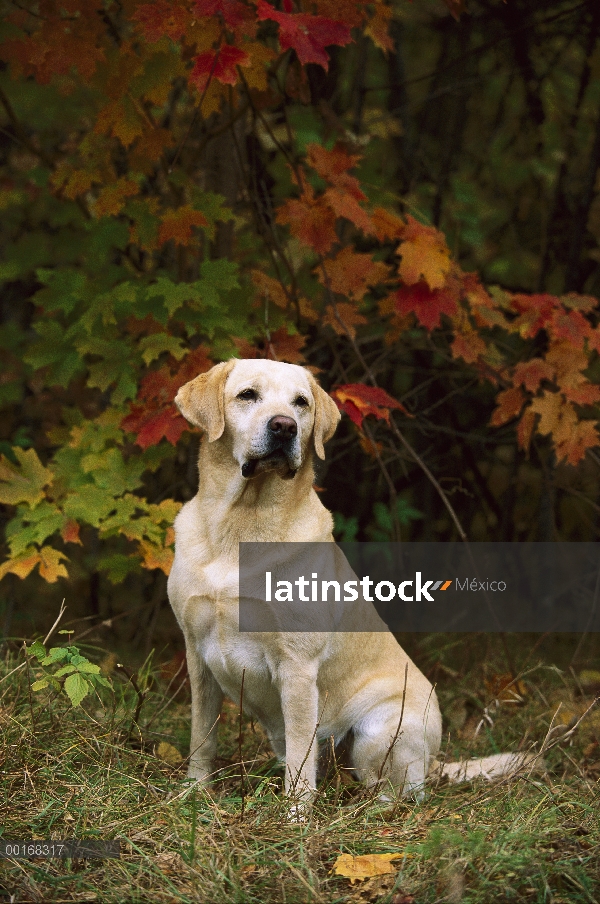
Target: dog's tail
489	768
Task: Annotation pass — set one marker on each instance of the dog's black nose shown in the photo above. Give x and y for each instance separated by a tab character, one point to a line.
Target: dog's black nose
283	427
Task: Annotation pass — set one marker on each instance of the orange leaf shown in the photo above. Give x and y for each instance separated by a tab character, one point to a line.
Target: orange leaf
556	415
343	318
531	373
378	26
154	556
424	254
509	402
525	429
468	346
51	567
112	197
581	438
70	532
534	313
283	346
351	274
359	401
365	866
387	225
269	288
311	222
178	224
344	204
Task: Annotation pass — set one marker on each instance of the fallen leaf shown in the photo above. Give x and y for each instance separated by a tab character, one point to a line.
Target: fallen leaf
365	866
168	753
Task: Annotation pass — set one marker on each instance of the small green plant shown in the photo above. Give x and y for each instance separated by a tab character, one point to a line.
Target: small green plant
345	529
383	528
76	677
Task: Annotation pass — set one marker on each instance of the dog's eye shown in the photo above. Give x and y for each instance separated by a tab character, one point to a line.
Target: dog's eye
247	395
301	402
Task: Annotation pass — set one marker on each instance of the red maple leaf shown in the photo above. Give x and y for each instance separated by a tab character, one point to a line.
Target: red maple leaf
220	64
358	401
311	221
428	304
307	35
153	416
233	12
162	18
534	313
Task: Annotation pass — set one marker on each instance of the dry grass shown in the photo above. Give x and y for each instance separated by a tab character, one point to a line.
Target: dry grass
93	772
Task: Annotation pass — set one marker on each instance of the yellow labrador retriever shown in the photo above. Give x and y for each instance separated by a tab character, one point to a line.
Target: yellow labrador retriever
263	423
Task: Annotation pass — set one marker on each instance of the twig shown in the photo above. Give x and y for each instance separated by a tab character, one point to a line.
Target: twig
55	625
240	740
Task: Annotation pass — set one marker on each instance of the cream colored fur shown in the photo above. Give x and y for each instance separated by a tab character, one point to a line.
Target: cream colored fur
302	687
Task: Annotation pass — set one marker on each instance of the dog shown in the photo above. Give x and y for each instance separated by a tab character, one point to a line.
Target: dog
263	423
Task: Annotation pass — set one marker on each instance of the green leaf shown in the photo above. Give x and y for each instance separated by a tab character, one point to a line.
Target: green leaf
90	504
39	685
24	483
77	688
33	526
66	670
89	667
37	649
154	345
56	654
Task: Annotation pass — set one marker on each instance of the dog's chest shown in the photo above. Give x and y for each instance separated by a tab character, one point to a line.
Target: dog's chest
232	656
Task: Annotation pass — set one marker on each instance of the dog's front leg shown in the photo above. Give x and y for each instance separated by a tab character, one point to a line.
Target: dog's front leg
207	699
300	703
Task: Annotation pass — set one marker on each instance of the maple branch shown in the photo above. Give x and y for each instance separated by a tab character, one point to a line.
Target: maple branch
22	134
395	429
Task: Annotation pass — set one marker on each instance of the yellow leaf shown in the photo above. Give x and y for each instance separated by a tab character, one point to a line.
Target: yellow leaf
168	753
21	565
424	255
51	567
156	556
365	866
26	482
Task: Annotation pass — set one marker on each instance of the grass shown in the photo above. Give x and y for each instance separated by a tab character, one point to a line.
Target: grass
95	772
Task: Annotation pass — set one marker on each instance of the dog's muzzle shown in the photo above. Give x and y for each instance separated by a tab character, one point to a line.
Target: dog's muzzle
281	436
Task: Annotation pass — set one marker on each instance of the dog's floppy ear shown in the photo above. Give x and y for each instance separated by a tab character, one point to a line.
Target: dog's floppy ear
201	400
327	416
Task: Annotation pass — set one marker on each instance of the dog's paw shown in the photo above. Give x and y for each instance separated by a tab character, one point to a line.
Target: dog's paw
299	813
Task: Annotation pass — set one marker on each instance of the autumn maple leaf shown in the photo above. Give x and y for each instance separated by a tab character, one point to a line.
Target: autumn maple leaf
220	64
534	313
509	404
531	373
232	12
311	220
178	224
153	416
351	274
428	304
162	18
343	318
359	401
307	35
424	255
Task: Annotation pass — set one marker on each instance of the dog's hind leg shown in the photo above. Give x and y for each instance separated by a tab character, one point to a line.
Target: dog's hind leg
391	755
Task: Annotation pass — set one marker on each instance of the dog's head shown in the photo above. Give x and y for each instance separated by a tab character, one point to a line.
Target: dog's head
270	410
